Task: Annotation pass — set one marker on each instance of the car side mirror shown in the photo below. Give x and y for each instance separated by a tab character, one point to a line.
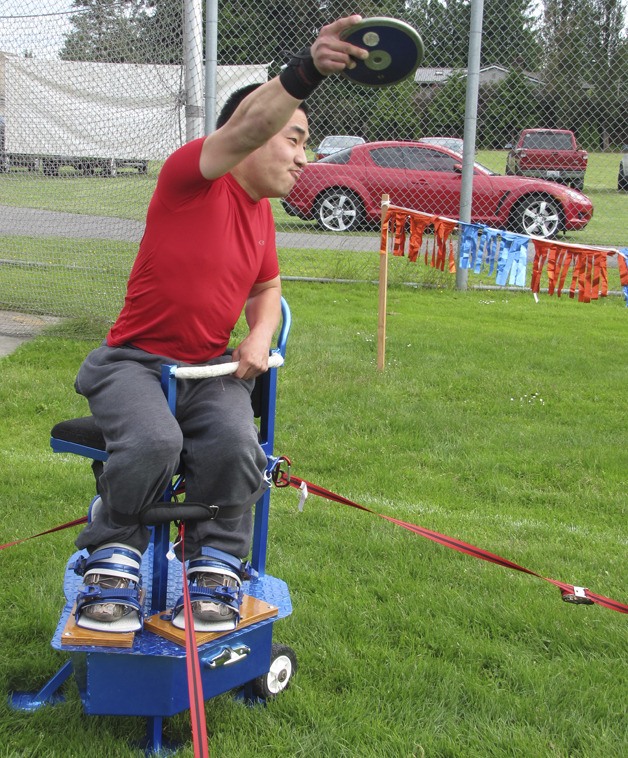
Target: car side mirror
458	168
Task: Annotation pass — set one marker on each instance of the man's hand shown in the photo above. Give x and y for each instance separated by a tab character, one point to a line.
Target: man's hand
263	311
253	356
331	54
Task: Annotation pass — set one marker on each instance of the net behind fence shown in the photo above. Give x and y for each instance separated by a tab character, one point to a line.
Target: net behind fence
94	94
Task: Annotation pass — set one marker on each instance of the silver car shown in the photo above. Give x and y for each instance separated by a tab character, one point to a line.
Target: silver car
335	143
451	143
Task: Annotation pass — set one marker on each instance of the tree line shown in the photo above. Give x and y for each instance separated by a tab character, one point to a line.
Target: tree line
578	49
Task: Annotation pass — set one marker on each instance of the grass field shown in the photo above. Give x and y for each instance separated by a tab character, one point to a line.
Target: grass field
498	421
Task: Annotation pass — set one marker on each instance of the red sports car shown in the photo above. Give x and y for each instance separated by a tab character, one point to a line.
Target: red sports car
343	192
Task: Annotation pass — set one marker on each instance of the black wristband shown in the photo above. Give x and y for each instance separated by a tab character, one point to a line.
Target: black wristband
300	77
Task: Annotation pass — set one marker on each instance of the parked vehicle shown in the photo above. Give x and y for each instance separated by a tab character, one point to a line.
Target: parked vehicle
343	192
334	143
51	164
548	154
622	176
452	143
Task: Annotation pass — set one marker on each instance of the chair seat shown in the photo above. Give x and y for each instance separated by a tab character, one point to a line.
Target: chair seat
79	431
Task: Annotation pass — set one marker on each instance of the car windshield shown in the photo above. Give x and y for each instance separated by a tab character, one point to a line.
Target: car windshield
548	141
342	156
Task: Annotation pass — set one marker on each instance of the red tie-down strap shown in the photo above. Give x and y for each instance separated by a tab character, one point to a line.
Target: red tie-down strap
569	592
76	522
195	682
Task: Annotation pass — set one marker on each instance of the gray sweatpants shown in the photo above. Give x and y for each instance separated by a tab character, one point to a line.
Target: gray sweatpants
213	435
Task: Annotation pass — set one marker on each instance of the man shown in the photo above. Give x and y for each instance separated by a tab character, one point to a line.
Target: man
207	253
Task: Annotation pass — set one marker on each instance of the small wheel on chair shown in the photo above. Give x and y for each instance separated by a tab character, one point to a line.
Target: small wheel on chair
283	665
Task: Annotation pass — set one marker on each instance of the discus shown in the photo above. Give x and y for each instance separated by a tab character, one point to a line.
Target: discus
395	51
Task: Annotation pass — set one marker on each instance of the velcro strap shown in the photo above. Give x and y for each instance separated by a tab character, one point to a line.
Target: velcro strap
107	567
209	556
93	592
228	595
104	553
94	595
97	563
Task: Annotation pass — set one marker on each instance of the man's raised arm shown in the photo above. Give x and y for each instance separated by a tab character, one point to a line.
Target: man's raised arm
266	110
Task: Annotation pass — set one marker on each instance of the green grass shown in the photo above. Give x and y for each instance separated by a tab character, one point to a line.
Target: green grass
405	648
125	196
84	280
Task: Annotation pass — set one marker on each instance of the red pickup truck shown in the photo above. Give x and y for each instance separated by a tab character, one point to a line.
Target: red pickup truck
548	154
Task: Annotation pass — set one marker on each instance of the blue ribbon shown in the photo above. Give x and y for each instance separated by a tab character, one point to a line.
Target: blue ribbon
484	246
490	244
469	243
513	259
623	251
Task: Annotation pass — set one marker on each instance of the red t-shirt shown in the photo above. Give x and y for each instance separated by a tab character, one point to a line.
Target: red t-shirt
205	245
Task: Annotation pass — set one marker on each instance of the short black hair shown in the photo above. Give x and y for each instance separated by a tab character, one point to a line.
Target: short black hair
235	98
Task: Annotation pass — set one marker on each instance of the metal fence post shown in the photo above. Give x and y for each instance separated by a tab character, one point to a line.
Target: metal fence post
193	54
211	64
470	123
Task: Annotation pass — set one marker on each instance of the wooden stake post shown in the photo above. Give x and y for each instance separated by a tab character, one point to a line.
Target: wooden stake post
383	286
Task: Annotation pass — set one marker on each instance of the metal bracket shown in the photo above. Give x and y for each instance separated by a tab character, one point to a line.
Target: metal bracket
228	656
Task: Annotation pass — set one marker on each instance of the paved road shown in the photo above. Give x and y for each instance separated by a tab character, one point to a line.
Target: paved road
16	328
30	221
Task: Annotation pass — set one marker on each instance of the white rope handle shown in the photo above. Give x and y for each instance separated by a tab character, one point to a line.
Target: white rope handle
220	369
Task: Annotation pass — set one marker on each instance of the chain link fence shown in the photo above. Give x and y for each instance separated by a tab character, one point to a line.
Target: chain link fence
94	94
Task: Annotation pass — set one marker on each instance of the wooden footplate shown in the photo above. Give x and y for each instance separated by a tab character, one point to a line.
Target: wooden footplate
76	635
252	611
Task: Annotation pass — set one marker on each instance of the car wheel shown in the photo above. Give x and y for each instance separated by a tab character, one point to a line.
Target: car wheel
578	184
622	181
283	665
536	216
50	168
109	167
339	210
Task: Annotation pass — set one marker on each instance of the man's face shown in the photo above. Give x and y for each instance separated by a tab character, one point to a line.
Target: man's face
273	169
